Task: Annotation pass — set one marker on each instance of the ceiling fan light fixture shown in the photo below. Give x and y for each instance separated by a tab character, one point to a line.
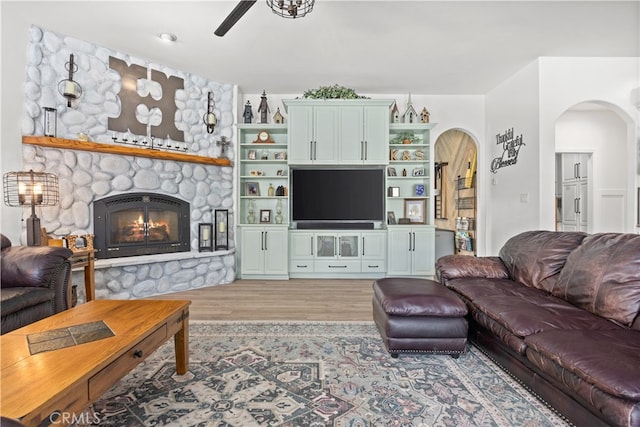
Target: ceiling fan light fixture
291	8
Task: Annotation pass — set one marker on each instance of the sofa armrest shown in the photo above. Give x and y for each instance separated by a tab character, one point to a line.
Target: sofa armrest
451	267
38	266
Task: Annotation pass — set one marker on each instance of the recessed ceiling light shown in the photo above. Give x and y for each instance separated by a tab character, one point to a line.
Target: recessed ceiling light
168	37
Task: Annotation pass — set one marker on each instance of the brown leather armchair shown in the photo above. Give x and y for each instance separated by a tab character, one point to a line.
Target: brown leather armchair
35	282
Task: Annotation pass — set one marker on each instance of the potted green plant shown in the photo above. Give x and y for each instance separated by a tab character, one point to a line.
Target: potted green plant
404	138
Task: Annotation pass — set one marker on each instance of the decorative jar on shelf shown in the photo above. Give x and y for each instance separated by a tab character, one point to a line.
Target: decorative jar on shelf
271	191
278	217
251	217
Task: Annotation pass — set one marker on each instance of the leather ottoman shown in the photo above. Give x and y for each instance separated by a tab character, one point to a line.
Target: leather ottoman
419	315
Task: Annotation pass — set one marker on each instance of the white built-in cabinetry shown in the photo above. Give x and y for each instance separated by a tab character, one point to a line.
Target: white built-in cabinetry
411	251
334	253
575	186
261	167
338	132
264	251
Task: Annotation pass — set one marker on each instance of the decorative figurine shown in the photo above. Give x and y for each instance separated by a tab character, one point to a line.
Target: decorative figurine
424	115
247	114
395	114
410	115
263	109
278	117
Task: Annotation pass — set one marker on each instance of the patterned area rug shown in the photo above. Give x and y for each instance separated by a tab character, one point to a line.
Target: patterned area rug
314	374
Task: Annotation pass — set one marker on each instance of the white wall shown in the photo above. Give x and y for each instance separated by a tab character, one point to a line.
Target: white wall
513	200
602	133
565	82
14	40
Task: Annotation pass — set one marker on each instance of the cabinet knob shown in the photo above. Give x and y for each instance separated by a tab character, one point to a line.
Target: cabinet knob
137	354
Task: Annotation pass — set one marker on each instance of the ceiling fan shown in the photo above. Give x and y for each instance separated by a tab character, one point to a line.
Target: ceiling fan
284	8
237	13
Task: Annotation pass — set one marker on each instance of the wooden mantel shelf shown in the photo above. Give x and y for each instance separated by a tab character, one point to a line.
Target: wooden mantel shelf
71	144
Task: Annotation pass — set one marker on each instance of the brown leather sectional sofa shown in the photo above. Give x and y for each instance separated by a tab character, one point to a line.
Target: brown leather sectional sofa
35	282
561	312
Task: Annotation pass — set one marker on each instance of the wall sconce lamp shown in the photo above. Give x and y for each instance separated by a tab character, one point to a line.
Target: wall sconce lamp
222	229
209	118
205	243
23	189
69	88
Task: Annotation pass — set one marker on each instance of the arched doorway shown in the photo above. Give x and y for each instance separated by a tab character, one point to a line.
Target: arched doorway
591	171
455	154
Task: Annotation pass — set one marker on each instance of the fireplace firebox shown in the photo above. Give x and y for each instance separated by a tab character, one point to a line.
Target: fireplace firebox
140	224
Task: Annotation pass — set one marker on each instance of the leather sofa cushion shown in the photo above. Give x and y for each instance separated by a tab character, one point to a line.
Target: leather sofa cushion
603	277
417	297
535	257
30	266
16	299
451	267
609	360
524	311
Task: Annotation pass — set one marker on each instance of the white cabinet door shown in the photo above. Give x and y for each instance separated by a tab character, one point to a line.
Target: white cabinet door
411	251
399	255
301	250
301	245
583	218
252	244
264	251
351	135
301	135
423	251
275	251
325	139
364	135
376	135
373	245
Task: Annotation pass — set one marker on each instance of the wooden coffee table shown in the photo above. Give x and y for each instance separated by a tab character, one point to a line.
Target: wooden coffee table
64	381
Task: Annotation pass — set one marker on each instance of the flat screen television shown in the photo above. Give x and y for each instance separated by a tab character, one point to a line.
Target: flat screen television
337	195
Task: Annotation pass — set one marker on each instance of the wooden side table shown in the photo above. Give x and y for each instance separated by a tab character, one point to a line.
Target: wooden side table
86	258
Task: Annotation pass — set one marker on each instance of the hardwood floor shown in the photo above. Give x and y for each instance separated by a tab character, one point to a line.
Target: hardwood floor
296	299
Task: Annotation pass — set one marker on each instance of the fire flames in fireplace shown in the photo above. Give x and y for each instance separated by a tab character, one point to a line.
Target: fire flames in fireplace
137	230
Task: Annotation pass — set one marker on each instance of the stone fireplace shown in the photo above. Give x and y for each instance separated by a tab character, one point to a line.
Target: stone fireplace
140	224
88	177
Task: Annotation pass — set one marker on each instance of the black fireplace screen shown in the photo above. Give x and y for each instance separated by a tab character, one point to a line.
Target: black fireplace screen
140	224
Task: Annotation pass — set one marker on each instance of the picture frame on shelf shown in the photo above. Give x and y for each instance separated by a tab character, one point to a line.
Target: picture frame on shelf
393	192
265	216
415	210
251	189
280	155
391	217
418	172
280	172
251	154
391	171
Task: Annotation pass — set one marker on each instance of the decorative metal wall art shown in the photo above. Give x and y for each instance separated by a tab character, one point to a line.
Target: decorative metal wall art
511	148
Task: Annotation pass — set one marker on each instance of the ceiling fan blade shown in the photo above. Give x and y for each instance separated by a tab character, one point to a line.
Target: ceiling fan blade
237	12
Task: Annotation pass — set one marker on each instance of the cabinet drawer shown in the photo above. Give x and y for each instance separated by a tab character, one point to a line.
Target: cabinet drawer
373	265
338	266
301	266
103	380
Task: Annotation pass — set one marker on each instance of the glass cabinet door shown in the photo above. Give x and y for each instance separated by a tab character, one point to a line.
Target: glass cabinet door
326	246
348	246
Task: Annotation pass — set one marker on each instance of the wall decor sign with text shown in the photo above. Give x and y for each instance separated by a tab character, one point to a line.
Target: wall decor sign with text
130	100
510	146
